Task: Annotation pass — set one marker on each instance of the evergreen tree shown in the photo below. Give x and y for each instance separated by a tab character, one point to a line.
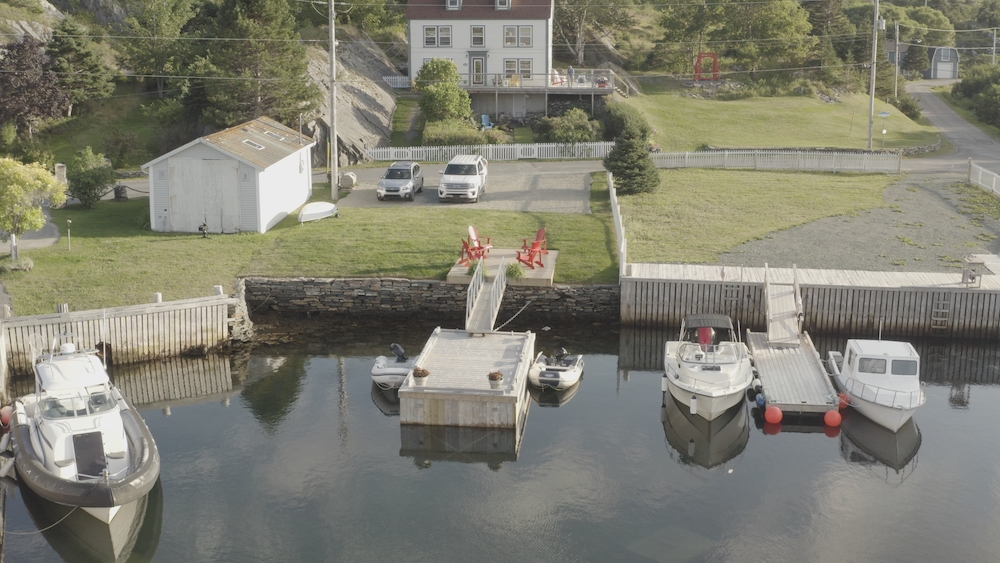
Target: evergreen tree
153	48
29	92
916	59
82	73
263	72
631	164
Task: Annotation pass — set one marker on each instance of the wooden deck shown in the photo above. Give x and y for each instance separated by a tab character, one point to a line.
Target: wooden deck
458	393
793	378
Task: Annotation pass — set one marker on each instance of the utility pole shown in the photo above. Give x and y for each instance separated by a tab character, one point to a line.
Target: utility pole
994	46
334	150
871	87
895	77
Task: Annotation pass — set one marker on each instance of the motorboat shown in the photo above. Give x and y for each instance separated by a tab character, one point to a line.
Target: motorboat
560	371
133	535
77	440
389	373
708	443
549	397
867	444
318	210
708	368
387	400
881	379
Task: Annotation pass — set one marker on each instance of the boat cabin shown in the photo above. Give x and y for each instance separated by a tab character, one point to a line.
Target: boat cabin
708	330
892	364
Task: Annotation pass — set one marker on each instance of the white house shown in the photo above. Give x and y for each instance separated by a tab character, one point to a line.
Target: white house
246	178
499	46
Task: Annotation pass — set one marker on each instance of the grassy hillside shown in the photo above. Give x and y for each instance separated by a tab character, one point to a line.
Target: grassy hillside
685	123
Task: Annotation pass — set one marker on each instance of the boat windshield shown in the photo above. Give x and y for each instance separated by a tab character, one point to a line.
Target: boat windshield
904	367
871	365
95	401
709	354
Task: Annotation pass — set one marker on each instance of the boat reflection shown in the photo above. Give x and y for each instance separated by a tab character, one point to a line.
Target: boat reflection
387	400
550	397
427	444
865	443
708	443
78	537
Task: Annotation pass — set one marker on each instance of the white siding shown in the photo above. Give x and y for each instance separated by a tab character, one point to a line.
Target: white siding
249	208
284	187
461	40
159	197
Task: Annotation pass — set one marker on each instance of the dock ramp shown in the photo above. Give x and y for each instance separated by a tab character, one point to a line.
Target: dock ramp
482	303
783	302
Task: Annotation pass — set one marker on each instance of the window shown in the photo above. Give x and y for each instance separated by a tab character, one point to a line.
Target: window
437	36
517	36
454	4
520	67
524	65
945	55
478	36
904	367
871	365
503	4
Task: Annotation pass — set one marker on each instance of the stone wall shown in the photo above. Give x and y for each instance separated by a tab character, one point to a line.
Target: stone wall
388	297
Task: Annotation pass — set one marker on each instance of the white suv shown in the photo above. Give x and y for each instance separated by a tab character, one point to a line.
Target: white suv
463	178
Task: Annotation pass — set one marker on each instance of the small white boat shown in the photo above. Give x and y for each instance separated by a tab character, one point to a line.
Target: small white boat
77	440
881	379
318	210
558	372
389	373
708	368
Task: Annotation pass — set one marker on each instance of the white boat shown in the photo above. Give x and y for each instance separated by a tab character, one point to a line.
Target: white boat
77	440
881	379
558	372
389	373
318	210
708	368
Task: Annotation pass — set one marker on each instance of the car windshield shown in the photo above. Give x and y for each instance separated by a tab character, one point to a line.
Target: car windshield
397	174
461	169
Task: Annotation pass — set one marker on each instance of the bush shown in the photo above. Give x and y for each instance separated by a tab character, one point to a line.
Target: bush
986	105
90	177
573	127
121	146
632	166
976	80
622	117
908	105
515	271
22	264
452	132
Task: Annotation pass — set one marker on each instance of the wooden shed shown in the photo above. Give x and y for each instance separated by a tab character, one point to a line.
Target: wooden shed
944	63
246	178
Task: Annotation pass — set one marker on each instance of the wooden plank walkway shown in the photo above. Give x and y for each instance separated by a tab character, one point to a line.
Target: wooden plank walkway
783	321
793	379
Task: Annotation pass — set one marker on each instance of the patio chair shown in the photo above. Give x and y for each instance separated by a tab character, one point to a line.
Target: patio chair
487	124
531	256
476	243
470	254
539	237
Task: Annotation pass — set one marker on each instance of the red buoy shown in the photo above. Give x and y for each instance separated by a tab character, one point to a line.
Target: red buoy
5	414
771	429
845	401
773	414
832	418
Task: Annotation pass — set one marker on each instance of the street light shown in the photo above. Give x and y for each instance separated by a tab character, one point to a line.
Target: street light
69	237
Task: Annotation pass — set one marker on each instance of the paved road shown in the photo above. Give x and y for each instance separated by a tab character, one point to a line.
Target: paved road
969	141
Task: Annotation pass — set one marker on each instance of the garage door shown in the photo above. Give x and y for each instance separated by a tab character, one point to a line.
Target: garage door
204	191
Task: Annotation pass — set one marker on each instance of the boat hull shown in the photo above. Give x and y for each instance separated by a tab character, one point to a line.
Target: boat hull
318	210
387	373
104	496
891	418
706	406
560	378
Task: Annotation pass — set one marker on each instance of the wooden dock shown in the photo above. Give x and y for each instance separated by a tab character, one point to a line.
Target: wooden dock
458	393
793	377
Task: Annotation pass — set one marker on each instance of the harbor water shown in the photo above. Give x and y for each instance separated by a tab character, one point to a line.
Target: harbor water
301	458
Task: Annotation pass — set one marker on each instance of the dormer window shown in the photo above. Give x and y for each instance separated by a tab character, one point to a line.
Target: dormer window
503	4
454	4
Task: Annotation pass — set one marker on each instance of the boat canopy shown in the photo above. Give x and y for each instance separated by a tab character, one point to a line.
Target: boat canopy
708	329
72	371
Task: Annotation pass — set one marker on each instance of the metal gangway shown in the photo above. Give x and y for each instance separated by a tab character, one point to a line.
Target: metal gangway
482	303
783	306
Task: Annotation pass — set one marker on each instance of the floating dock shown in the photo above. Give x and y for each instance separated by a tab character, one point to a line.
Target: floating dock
793	377
458	392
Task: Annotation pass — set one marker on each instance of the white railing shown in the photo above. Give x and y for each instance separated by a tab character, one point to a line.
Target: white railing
984	178
767	159
398	81
478	278
767	301
800	312
619	227
886	397
512	151
496	292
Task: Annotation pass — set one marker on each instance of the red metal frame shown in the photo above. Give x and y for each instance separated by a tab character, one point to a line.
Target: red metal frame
699	72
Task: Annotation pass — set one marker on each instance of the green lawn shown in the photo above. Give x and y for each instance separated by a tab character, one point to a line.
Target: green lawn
403	134
682	123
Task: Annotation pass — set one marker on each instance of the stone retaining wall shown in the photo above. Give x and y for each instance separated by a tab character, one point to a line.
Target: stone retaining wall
386	297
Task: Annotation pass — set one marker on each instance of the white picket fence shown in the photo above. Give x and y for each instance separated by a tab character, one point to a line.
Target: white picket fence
495	152
767	159
616	215
398	81
984	178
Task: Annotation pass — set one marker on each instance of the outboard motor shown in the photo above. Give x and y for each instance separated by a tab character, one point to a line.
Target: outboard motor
560	354
398	351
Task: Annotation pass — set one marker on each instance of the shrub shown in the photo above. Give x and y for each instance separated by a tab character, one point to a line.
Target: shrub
452	132
121	146
22	264
908	105
622	117
515	271
90	177
573	127
986	105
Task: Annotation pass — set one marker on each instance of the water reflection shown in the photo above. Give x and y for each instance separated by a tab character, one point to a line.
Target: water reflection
78	537
866	443
272	387
550	397
708	443
428	444
387	400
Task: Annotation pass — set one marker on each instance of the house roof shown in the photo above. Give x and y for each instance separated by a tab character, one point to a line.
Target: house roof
479	10
259	143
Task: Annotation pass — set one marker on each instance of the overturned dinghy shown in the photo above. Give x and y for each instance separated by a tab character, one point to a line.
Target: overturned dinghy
318	210
77	440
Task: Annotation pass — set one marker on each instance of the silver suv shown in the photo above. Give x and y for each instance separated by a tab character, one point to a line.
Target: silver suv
402	180
463	178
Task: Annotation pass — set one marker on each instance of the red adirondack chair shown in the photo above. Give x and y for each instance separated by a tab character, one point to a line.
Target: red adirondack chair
476	243
531	256
539	237
470	254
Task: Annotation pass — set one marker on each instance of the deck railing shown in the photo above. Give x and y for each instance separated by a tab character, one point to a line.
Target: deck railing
478	279
496	292
886	397
555	82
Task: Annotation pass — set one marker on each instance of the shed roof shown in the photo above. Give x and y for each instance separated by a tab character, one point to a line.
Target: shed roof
479	10
259	143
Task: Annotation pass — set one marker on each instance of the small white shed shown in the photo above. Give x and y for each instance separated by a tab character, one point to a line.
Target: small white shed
944	63
246	178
